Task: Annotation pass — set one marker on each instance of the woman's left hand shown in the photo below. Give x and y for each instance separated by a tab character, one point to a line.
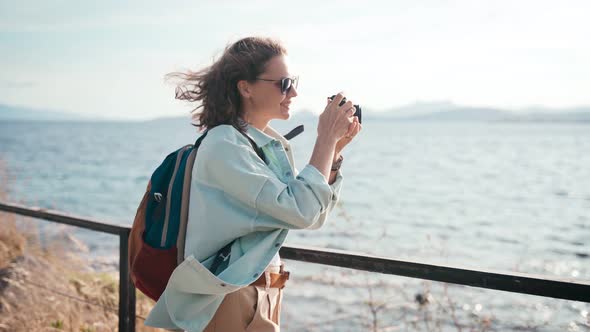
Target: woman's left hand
353	129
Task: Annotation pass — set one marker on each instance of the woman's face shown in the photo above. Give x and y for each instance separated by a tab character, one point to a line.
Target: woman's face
266	98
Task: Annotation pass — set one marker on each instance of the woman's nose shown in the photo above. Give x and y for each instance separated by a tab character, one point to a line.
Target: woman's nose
292	92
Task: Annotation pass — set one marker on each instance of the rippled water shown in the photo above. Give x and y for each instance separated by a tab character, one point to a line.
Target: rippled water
513	197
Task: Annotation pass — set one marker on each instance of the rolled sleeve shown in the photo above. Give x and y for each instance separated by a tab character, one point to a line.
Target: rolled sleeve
335	197
317	183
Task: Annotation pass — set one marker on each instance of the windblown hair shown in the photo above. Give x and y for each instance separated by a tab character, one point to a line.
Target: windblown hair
215	88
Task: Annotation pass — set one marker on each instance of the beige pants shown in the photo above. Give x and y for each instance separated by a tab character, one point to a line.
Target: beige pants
251	308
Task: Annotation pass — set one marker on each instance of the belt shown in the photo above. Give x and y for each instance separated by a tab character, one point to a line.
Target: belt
272	280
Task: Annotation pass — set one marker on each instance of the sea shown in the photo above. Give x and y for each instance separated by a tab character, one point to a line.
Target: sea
499	196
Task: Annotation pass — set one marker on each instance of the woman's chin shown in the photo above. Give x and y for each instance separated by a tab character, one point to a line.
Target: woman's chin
285	113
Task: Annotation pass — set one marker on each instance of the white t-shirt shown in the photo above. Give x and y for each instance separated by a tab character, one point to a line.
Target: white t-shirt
276	260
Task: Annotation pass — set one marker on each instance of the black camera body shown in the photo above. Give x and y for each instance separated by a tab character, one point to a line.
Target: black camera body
358	112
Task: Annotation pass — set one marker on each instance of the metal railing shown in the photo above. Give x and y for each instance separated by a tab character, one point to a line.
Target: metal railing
126	287
560	288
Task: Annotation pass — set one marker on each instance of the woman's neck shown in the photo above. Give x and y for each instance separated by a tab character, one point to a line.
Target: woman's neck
257	122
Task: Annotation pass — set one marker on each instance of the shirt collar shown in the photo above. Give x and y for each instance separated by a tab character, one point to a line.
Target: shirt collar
261	138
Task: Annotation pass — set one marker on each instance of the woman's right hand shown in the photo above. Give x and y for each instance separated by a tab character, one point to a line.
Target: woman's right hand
334	122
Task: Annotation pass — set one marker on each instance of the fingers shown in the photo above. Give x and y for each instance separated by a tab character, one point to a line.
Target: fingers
336	101
357	127
346	106
350	129
353	128
352	110
338	98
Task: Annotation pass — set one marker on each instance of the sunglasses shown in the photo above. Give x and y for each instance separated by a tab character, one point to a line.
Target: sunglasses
284	83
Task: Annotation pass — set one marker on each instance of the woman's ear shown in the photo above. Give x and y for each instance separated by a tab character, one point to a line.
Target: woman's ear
244	89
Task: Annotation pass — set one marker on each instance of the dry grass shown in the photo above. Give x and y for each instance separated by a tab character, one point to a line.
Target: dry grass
49	288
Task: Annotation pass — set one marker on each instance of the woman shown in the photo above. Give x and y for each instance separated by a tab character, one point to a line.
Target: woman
246	193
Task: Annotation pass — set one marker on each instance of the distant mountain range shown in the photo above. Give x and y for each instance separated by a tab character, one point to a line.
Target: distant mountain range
449	112
421	111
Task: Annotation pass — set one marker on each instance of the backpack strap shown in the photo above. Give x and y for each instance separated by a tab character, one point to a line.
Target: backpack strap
255	146
222	257
200	139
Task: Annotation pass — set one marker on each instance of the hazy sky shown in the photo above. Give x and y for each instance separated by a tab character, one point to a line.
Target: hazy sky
109	57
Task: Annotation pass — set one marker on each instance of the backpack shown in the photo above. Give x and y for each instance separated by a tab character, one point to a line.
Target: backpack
157	237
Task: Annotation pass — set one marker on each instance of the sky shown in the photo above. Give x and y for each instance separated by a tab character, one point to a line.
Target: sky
108	58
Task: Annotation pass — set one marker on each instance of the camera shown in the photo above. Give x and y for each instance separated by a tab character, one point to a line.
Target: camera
357	107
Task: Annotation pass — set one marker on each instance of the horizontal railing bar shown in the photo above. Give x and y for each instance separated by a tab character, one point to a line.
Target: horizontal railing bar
515	282
63	218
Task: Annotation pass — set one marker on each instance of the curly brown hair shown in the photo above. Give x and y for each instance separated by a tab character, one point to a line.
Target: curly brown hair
215	87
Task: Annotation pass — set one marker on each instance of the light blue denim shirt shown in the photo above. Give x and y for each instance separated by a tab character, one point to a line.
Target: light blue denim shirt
236	195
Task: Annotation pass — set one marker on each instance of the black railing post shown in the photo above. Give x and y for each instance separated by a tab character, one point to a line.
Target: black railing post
126	288
131	305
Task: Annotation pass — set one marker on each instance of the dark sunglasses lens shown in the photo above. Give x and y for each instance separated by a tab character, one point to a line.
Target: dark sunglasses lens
285	85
